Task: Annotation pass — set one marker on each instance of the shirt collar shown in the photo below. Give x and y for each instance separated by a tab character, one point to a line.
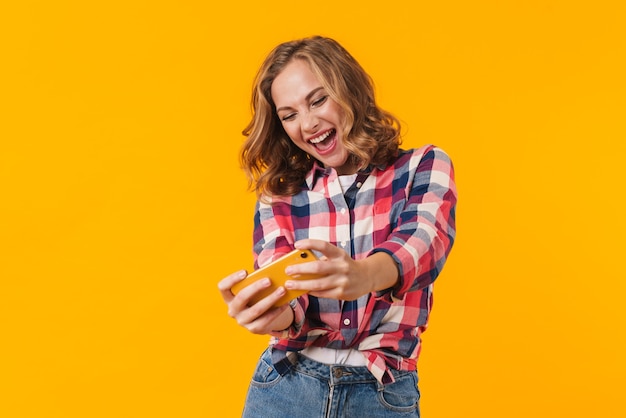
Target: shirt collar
318	171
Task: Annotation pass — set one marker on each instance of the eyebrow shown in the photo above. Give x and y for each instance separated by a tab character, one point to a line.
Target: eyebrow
307	98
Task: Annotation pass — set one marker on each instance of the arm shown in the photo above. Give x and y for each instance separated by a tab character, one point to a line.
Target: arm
410	257
426	228
270	242
344	278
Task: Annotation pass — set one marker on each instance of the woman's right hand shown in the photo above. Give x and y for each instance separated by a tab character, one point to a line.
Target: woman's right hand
261	317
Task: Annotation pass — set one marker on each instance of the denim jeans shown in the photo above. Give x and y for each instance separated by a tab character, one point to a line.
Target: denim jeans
317	390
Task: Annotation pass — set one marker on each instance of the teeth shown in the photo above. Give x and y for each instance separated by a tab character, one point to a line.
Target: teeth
320	138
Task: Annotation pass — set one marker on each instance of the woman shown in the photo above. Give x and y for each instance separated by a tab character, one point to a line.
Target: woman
330	175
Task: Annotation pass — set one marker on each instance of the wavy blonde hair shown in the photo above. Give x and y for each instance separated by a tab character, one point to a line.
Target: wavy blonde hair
273	164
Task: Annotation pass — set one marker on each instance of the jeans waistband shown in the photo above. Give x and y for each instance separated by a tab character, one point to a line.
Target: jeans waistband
337	374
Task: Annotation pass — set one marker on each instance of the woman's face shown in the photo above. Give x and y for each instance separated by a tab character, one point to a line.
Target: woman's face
311	118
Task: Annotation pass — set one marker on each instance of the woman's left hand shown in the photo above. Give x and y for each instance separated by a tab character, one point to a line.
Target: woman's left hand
342	277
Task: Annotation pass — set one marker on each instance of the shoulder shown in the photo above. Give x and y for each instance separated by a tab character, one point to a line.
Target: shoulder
273	203
411	158
426	151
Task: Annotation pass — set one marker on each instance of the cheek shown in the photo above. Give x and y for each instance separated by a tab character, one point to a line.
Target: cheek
292	132
338	114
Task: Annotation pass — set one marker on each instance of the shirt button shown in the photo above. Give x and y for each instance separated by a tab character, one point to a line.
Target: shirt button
346	321
343	211
358	185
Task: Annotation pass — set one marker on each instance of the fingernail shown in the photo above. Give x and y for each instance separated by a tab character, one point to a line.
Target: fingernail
280	291
289	284
265	282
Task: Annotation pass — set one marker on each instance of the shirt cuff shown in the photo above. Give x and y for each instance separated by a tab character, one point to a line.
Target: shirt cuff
395	292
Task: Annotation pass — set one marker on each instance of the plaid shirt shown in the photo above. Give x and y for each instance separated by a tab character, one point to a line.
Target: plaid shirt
406	209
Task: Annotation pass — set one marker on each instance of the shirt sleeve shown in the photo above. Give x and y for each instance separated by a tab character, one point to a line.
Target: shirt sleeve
272	234
425	231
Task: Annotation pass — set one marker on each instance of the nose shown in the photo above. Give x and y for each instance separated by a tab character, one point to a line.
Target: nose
310	122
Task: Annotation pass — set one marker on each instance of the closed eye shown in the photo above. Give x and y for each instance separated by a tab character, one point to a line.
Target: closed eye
288	117
319	101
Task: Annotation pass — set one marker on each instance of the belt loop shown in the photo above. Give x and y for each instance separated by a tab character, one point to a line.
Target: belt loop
283	361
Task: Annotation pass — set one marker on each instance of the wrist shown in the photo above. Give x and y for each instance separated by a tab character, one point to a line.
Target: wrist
382	271
285	320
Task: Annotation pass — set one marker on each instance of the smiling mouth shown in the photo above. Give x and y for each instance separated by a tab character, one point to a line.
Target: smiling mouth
323	141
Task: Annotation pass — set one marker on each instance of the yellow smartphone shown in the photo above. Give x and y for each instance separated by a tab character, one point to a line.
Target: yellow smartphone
275	271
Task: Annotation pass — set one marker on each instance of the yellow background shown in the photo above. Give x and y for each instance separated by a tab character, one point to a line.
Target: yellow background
122	203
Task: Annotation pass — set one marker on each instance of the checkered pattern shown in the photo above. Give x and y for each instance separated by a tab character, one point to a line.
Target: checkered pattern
406	209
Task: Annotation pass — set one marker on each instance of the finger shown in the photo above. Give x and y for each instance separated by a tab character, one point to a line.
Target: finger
228	282
330	291
326	248
313	244
242	299
310	285
262	324
320	267
310	267
262	307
